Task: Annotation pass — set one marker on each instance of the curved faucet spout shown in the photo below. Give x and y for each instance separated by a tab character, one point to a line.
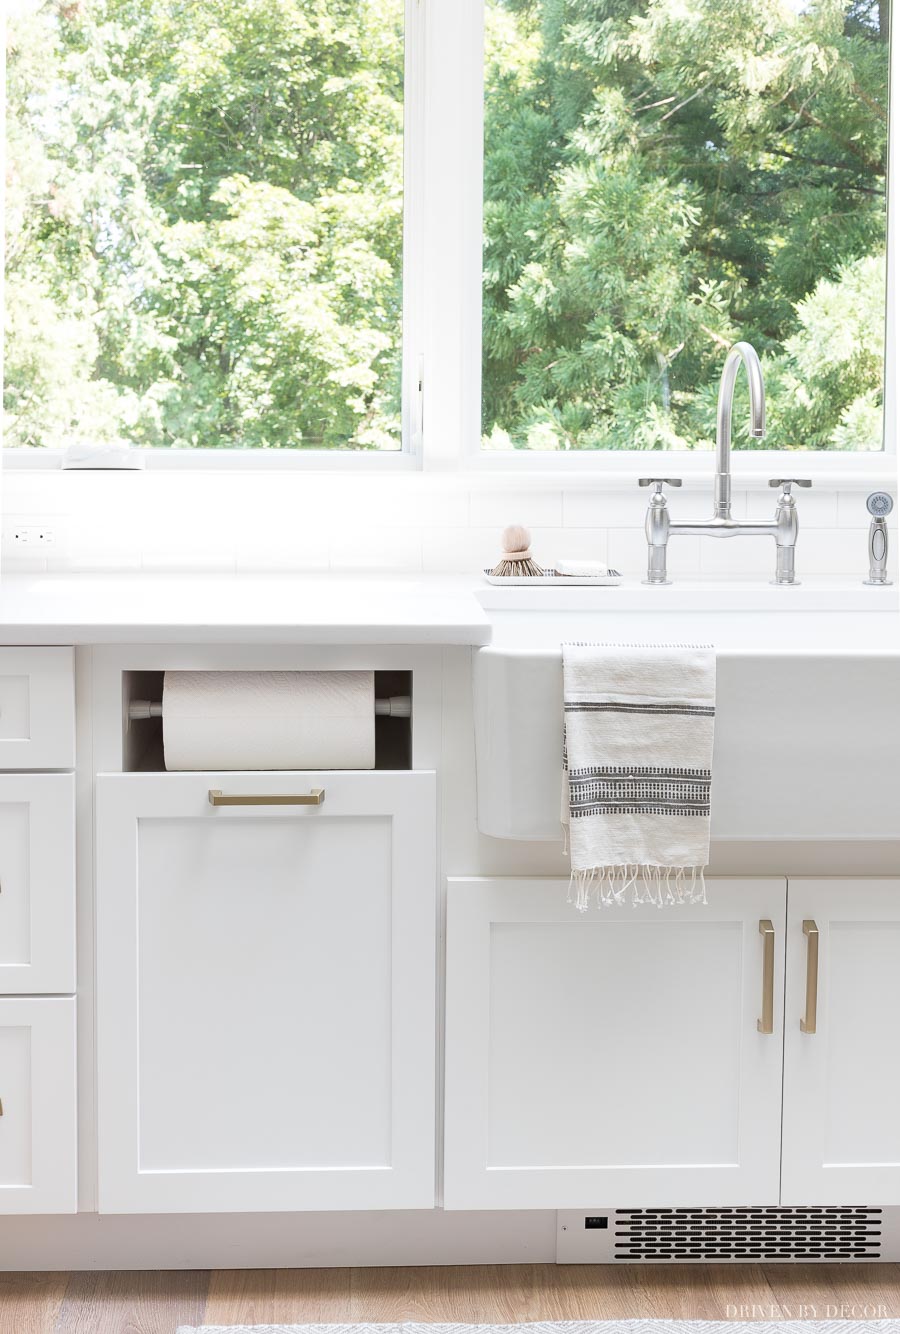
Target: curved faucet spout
746	353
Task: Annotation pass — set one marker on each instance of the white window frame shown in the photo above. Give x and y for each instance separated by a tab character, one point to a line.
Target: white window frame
409	457
442	268
612	466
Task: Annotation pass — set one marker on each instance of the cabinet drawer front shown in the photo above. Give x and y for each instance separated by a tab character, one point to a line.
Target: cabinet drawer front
630	1056
38	1153
842	1043
37	708
266	1018
37	883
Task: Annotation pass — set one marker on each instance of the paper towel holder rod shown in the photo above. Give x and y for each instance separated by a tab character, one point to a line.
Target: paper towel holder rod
397	706
314	797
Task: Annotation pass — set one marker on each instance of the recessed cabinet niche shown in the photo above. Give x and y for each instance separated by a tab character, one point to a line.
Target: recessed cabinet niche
142	739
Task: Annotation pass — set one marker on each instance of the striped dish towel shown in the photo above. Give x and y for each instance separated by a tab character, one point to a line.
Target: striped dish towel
639	725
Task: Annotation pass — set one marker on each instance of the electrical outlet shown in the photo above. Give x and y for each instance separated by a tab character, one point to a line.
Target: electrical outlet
32	535
35	537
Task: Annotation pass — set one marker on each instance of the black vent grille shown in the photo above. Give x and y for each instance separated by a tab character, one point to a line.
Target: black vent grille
748	1234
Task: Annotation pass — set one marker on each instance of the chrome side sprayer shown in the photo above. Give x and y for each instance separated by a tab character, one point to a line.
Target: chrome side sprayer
879	506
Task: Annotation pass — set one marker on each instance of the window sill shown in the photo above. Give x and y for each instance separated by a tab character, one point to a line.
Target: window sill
224	460
517	470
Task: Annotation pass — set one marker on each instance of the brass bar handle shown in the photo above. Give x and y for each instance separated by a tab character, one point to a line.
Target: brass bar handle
767	1023
314	797
811	931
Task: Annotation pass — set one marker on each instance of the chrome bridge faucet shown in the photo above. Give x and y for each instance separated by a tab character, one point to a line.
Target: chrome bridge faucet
784	528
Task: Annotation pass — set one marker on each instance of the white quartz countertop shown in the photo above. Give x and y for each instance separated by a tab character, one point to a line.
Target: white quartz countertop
228	608
820	616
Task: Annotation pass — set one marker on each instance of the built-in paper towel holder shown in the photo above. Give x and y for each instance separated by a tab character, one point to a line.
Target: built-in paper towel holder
142	719
397	706
314	797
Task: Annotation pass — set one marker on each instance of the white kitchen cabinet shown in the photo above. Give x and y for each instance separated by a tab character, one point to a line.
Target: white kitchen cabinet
616	1057
37	708
38	1155
37	883
842	1067
266	992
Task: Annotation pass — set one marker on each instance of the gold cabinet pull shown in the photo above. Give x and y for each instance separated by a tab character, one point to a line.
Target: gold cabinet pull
314	797
811	931
767	1023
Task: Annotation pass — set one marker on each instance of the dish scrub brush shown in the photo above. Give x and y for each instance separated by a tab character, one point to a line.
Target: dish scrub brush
516	543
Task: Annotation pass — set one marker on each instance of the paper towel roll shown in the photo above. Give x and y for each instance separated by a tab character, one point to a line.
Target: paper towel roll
269	720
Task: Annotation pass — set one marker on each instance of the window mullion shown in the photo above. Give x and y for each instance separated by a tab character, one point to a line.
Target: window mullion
454	44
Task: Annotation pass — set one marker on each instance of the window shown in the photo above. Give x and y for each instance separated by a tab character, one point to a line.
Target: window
346	230
206	223
662	178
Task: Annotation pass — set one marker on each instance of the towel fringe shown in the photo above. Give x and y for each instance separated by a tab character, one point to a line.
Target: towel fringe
649	883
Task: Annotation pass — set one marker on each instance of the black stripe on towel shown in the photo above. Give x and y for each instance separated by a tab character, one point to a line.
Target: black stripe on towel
611	706
638	809
638	791
641	771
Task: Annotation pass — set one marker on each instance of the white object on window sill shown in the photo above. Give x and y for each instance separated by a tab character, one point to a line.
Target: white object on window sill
106	456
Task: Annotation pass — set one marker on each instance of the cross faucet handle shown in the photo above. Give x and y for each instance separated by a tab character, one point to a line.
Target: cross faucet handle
659	482
787	482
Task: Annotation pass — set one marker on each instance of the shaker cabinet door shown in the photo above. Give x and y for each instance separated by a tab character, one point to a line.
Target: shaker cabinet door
38	1151
614	1058
266	992
842	1043
37	708
37	883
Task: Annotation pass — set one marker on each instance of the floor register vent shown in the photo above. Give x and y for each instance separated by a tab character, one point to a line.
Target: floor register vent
656	1236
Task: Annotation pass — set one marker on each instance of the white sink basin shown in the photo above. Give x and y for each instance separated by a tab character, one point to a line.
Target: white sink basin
808	717
750	617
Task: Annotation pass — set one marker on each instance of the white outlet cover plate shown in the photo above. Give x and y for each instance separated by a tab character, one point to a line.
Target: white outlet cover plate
57	524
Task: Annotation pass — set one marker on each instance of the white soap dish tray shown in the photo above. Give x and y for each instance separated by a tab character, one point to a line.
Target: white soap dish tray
553	579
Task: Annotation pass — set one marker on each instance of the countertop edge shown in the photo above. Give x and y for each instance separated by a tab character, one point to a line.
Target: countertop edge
84	635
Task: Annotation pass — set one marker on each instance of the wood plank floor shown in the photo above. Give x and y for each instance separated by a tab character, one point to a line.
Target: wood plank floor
157	1302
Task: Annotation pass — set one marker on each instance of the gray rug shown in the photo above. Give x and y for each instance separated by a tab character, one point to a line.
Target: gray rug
575	1327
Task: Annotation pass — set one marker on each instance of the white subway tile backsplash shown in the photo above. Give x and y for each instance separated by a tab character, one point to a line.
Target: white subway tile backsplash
466	550
300	550
23	492
552	544
839	551
294	520
751	556
535	509
627	552
102	541
376	549
404	506
604	509
13	565
181	560
625	508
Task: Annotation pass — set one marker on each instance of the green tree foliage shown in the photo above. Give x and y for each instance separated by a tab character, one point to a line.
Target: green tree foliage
661	177
204	220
